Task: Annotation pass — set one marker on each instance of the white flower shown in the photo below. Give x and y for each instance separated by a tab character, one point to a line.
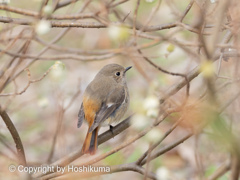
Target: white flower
58	71
149	1
152	113
154	135
139	122
163	173
58	65
43	102
118	33
43	27
213	1
151	102
5	2
47	10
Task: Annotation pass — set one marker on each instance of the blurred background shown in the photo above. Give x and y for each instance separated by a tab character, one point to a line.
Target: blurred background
50	50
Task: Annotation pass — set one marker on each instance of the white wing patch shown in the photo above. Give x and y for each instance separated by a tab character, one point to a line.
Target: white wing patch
109	104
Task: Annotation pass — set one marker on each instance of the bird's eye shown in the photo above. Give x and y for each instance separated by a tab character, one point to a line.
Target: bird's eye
117	73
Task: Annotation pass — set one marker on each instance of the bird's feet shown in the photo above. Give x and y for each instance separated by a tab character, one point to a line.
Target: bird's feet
111	129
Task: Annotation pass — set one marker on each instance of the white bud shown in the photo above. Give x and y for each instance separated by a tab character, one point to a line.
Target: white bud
118	33
154	135
5	2
163	173
57	73
152	113
58	65
139	122
151	102
213	1
47	10
43	102
43	27
149	1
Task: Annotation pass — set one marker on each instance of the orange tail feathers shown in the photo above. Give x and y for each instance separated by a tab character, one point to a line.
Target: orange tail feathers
91	142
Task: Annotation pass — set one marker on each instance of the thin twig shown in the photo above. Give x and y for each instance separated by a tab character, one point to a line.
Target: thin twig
12	129
167	148
101	139
29	82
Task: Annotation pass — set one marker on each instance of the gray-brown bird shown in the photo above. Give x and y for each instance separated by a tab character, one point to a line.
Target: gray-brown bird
105	101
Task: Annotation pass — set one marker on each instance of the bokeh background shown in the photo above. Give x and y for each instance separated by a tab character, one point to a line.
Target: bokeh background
173	38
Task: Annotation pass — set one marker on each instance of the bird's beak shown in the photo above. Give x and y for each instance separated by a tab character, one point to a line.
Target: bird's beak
127	68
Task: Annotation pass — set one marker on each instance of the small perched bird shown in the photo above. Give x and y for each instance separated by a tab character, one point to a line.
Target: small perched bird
105	101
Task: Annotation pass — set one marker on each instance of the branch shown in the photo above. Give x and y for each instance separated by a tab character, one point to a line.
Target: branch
186	10
60	24
167	72
144	155
29	82
56	39
235	166
53	23
127	142
55	17
19	11
166	148
64	3
175	88
220	171
101	139
114	169
61	57
15	136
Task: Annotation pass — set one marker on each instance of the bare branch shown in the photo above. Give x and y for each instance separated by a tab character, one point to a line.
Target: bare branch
15	136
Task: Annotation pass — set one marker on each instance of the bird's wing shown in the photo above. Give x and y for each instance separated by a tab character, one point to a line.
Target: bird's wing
80	116
113	101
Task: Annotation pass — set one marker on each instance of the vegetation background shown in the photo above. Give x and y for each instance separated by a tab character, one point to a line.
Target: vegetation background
184	87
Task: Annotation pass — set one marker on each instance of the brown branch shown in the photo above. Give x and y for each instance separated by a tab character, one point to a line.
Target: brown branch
167	72
73	17
60	24
8	65
118	3
12	129
167	148
43	4
62	57
29	83
150	149
235	166
135	21
53	23
114	169
64	3
57	130
77	50
60	121
220	171
101	139
54	17
121	146
3	141
19	11
56	39
144	155
175	88
132	167
127	142
186	10
23	49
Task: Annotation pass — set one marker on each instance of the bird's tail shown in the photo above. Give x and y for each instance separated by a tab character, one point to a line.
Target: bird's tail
91	142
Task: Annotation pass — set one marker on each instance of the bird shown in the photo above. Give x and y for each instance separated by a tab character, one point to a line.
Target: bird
105	101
